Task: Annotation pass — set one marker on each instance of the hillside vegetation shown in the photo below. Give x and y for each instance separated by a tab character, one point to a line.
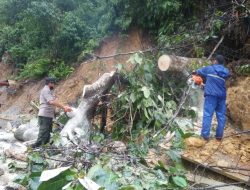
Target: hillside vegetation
46	37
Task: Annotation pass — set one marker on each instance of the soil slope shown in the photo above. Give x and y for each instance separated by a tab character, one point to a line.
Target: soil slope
239	103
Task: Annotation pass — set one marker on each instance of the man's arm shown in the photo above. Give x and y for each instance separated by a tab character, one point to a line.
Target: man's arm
59	105
47	94
202	71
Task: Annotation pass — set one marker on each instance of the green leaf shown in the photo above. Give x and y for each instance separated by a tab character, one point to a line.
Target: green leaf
148	77
138	59
34	183
132	97
119	67
89	184
174	155
161	99
146	113
103	177
180	181
146	92
36	158
49	174
56	179
131	187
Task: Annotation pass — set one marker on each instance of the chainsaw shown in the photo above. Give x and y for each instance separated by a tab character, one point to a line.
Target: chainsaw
195	81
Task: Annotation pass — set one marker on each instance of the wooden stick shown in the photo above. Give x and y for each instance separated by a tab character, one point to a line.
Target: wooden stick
216	47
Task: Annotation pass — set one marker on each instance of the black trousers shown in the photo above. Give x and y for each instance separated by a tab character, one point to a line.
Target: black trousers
45	128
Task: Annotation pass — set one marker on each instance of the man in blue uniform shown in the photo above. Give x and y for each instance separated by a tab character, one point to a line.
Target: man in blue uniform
215	96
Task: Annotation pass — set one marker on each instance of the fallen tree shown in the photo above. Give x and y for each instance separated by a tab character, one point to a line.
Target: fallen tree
78	127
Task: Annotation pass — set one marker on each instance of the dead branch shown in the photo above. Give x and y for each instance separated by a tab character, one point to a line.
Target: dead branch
216	47
183	100
217	186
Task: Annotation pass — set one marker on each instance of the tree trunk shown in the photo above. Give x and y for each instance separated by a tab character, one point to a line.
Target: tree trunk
176	63
183	65
77	129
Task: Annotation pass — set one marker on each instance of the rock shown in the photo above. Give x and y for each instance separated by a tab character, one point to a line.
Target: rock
7	127
7	137
12	113
118	146
195	142
28	131
14	186
17	151
16	123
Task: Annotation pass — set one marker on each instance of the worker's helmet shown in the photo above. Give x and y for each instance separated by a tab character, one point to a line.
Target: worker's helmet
50	80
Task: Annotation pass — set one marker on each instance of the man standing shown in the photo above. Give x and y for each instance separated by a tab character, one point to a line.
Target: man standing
215	96
46	113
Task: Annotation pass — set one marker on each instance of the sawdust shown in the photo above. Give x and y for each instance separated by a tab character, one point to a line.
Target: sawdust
194	142
232	151
238	103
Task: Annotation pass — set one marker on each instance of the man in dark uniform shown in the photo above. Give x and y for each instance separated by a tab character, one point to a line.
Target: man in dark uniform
46	113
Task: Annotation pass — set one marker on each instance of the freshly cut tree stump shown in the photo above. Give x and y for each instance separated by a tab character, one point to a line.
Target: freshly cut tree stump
176	63
77	129
183	67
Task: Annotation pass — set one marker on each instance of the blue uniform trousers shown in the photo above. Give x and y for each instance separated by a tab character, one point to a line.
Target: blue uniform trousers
218	105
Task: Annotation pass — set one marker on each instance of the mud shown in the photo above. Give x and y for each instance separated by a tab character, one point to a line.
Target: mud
232	151
238	103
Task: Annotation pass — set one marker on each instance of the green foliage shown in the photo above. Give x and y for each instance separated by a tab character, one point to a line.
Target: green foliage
146	103
34	30
180	181
58	179
196	65
35	69
61	71
243	69
69	30
104	177
36	165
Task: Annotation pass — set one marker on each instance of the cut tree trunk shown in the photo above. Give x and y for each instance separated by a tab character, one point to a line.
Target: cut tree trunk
184	66
77	129
176	63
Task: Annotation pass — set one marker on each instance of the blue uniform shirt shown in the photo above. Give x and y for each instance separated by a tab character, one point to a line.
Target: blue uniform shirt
216	76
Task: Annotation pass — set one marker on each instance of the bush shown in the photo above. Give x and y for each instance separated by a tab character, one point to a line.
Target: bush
35	69
61	71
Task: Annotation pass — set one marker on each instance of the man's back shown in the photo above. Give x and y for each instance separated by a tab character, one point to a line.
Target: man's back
216	76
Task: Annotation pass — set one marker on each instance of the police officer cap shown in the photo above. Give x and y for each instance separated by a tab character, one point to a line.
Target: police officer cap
50	80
